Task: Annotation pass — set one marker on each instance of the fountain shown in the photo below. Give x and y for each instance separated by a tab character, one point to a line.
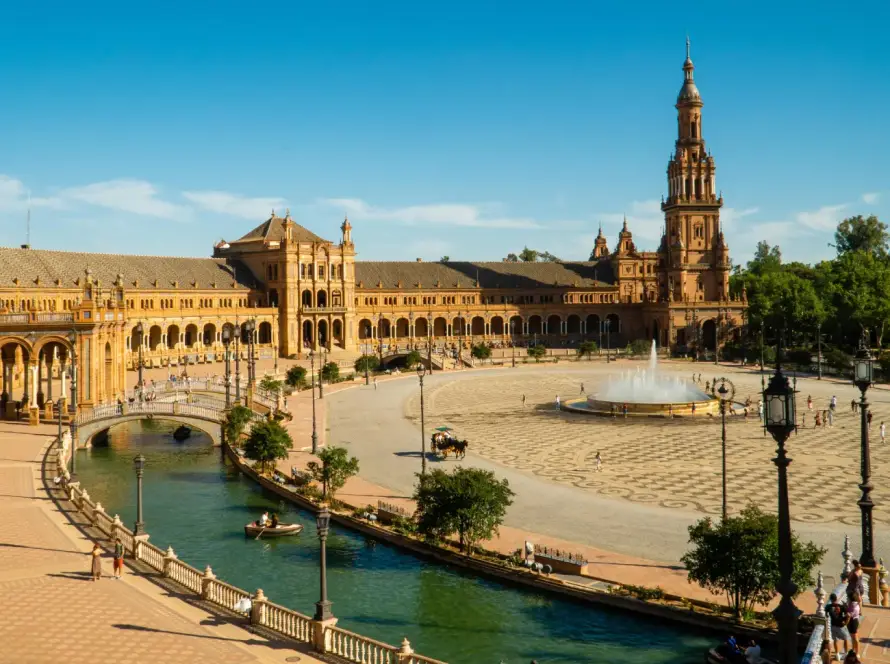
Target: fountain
645	392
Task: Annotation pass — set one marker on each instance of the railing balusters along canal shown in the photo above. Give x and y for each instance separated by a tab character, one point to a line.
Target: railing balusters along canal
324	636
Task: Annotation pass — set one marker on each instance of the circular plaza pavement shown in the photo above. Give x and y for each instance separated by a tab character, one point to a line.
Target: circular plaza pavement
658	475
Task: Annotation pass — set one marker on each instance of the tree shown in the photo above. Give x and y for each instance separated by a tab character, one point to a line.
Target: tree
547	257
469	501
367	363
511	258
269	384
330	371
445	259
858	285
766	258
587	348
295	377
268	441
412	359
537	352
865	234
333	471
740	557
639	347
481	351
234	422
528	255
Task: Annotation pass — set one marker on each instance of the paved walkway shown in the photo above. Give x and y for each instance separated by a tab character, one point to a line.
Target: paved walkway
51	611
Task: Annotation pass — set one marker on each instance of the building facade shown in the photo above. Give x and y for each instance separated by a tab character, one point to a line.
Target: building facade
92	317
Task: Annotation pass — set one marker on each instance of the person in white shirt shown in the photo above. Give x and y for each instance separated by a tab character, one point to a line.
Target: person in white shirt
752	653
557	402
264	520
883	432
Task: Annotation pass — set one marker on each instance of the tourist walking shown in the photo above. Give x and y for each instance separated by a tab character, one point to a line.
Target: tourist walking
760	409
597	463
853	405
830	418
868	418
833	404
118	566
96	562
803	420
809	403
557	402
854	610
837	615
523	401
693	408
375	383
624	410
883	432
818	420
582	388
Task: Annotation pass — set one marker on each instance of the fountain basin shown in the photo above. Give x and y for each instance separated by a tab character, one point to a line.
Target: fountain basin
606	408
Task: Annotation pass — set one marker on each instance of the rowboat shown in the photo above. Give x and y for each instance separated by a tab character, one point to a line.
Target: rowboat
282	529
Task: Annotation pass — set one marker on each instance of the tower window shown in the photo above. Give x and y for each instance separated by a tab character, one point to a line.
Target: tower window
692	129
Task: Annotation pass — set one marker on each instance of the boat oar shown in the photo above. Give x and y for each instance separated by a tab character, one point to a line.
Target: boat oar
260	533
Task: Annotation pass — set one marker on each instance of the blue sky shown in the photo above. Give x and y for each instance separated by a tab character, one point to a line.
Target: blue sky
464	128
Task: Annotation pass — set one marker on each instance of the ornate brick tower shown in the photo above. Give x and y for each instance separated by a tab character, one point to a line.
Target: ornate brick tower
697	263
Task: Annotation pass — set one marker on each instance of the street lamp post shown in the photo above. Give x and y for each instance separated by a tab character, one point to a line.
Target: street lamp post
513	341
321	364
863	365
249	327
726	393
819	349
237	334
420	372
72	406
312	372
323	605
139	466
227	339
779	421
608	340
761	346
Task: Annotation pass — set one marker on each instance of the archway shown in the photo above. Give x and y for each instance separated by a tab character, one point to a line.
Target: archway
516	326
402	328
108	386
323	332
365	329
573	324
477	326
554	324
535	325
421	328
273	297
593	324
154	337
265	333
321	299
209	334
172	336
497	325
15	355
655	332
458	326
307	333
306	298
337	328
385	329
135	338
709	334
440	327
191	335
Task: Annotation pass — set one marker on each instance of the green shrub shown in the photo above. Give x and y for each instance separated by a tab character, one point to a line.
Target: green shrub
330	371
367	363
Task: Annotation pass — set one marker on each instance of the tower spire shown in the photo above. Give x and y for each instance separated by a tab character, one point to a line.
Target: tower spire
687	48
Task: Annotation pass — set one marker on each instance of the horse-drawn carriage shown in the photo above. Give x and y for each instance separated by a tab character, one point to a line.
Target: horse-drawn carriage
444	442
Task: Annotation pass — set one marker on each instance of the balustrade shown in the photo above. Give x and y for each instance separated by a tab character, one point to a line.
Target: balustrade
185	574
356	648
288	622
152	555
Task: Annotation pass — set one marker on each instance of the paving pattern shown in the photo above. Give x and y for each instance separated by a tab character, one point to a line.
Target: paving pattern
667	463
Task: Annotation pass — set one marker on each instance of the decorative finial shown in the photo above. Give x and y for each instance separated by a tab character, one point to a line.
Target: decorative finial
287	212
687	47
625	223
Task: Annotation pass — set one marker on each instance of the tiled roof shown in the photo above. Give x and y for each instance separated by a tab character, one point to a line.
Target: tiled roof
456	274
273	230
29	264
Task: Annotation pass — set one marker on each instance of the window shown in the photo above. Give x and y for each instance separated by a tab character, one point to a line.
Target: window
321	271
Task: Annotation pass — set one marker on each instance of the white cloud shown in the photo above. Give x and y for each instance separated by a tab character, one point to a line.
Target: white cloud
14	197
729	216
871	198
133	196
826	218
644	219
446	214
234	204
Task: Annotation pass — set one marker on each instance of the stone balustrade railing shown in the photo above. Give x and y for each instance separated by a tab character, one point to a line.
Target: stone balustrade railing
158	389
323	635
205	411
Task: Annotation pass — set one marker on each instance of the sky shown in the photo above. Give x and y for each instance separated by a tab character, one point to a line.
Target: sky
466	129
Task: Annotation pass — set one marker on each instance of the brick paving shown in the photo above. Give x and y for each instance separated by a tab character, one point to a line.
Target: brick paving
50	610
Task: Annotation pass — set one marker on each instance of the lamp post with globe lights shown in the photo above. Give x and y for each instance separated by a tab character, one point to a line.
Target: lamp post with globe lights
863	376
323	606
227	339
420	372
139	467
312	376
779	420
237	334
726	393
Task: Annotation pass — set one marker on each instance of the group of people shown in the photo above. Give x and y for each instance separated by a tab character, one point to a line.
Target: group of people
265	522
845	619
735	653
96	560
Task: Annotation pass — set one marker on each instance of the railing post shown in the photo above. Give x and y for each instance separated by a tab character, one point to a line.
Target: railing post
258	608
176	408
207	583
169	557
883	587
94	517
115	525
819	592
322	635
138	541
405	651
84	496
847	555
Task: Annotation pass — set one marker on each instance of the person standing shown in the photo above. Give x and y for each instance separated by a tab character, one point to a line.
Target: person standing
624	410
760	409
854	611
582	388
833	405
375	383
869	418
809	402
523	401
883	432
557	402
853	405
96	562
597	463
837	615
118	567
830	417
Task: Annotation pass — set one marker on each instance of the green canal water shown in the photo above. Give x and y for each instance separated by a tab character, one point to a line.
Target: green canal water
199	506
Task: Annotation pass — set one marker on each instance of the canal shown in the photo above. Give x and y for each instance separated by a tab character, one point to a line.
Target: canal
199	506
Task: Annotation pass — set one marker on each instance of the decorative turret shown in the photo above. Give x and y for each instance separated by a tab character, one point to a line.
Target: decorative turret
346	229
625	240
600	246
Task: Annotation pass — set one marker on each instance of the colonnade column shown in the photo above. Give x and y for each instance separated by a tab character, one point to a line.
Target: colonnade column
32	397
62	367
27	380
49	377
7	380
39	382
